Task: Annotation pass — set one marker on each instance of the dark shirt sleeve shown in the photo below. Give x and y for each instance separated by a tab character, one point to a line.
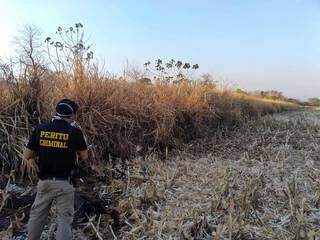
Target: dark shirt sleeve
81	144
33	143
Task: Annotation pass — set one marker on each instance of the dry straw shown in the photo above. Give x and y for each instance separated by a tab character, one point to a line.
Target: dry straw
129	120
121	116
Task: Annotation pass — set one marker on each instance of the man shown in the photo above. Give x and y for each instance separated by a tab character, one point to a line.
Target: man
56	144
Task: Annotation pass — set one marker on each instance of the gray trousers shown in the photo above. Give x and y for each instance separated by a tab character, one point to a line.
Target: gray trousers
47	191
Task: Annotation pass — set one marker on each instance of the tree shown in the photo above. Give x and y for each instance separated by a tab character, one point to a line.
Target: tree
241	92
314	102
295	101
173	70
29	68
271	94
69	51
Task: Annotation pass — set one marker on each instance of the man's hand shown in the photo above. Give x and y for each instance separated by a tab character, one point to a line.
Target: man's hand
83	155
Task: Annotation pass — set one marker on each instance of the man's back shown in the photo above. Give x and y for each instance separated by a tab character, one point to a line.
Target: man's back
56	144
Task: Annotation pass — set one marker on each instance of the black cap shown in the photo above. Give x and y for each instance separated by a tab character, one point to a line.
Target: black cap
66	107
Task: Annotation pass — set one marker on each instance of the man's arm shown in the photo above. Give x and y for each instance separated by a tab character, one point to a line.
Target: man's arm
82	150
32	146
28	153
81	146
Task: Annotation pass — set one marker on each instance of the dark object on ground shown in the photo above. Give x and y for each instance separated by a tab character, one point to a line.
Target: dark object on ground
87	205
16	202
4	223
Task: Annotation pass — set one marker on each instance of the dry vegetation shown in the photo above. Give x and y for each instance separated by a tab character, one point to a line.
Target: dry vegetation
179	160
121	118
257	182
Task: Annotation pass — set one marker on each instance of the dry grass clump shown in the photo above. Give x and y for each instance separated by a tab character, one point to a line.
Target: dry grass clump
127	115
122	118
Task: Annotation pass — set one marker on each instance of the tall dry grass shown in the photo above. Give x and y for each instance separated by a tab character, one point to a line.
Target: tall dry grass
123	118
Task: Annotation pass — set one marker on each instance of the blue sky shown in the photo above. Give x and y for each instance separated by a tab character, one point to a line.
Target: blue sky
261	44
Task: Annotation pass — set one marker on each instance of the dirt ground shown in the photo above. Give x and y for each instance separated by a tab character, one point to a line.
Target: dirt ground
260	181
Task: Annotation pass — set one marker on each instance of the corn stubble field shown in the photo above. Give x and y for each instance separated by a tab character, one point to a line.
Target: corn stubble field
257	182
183	160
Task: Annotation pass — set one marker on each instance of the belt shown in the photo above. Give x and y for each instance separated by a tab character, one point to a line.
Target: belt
58	178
